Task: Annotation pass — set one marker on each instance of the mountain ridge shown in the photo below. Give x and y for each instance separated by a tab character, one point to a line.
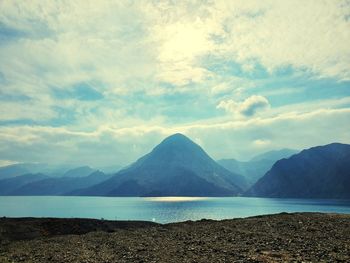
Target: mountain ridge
59	185
317	172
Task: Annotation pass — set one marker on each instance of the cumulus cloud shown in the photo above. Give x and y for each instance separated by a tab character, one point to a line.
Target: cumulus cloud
248	107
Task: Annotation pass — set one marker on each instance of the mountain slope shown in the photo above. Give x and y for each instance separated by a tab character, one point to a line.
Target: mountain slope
59	185
177	166
274	155
13	170
319	172
79	172
9	185
254	169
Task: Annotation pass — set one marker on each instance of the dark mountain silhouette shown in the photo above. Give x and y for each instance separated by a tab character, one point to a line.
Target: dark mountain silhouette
9	185
318	172
256	168
177	166
59	185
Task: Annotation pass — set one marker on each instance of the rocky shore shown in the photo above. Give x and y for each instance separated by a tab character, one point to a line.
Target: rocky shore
297	237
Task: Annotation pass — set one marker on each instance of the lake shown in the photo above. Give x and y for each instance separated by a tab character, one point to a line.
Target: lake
161	209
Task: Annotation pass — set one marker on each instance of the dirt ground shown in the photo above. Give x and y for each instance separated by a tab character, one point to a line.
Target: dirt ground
297	237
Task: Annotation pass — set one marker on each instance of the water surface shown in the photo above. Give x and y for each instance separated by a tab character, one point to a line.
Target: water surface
161	209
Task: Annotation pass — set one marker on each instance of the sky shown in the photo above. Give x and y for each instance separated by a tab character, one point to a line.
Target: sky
102	82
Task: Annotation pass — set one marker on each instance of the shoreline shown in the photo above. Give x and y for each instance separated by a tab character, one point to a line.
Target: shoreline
284	237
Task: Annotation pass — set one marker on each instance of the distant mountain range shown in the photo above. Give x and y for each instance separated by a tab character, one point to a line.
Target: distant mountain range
180	167
318	172
256	168
39	184
8	185
79	172
274	155
176	167
59	185
13	170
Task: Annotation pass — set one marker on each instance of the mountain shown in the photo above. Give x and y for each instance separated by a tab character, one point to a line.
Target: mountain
9	185
79	172
13	170
254	169
111	169
318	172
175	167
274	155
59	185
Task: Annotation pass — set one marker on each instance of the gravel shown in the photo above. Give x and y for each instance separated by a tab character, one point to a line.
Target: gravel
296	237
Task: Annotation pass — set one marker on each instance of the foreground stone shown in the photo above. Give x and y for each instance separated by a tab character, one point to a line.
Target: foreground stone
298	237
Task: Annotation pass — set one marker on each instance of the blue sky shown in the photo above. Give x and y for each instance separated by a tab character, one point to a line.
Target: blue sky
101	83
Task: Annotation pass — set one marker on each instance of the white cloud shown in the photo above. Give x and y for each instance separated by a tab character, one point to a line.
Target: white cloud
261	142
230	84
164	41
248	107
26	110
180	75
130	48
6	162
110	145
312	35
85	41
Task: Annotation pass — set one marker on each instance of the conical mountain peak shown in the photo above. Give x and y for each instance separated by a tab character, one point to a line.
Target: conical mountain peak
176	138
176	166
179	143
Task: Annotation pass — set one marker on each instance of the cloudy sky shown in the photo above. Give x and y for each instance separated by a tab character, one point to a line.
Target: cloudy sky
102	82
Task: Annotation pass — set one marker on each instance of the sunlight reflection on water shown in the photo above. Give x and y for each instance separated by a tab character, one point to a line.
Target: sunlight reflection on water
161	209
175	199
